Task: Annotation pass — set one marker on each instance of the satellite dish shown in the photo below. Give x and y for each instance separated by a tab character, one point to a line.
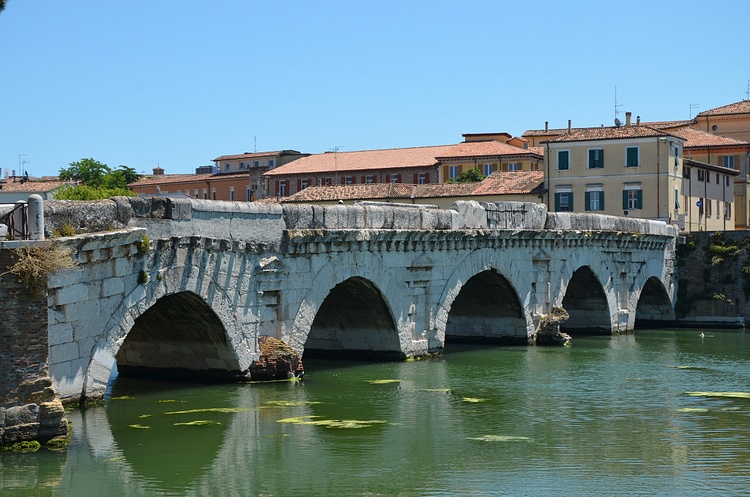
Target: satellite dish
618	123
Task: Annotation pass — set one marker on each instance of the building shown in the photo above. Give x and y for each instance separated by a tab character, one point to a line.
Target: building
520	186
416	165
722	154
731	121
230	186
255	164
635	170
19	188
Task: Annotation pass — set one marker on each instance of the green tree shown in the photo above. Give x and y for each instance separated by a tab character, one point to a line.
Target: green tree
88	171
2	5
470	176
131	175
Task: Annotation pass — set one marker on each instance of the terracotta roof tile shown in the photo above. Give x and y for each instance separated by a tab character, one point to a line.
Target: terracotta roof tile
183	178
30	186
254	155
742	107
608	133
396	158
697	139
663	125
500	183
511	182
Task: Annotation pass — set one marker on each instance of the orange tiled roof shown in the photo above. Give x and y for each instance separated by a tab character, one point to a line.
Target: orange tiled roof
500	183
184	178
490	148
30	186
253	155
362	160
742	107
396	158
669	124
697	139
511	183
608	133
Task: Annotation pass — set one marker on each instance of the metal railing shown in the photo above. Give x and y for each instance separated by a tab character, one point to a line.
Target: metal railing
17	221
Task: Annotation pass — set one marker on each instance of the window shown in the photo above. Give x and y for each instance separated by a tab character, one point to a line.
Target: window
563	200
513	166
728	161
328	181
487	169
213	193
270	163
394	178
596	158
248	194
243	165
348	180
726	182
717	178
686	172
708	207
708	176
256	164
195	193
595	199
205	194
421	178
632	198
676	198
631	157
369	179
282	188
563	160
727	210
231	193
676	157
701	174
452	172
227	167
304	184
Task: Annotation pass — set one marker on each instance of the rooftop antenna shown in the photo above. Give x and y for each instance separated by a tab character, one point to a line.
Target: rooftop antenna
618	123
693	106
335	151
21	163
255	144
747	92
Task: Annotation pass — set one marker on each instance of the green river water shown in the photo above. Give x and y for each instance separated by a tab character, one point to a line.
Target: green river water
608	416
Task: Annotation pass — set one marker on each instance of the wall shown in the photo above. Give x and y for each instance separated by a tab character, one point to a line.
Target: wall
714	279
29	409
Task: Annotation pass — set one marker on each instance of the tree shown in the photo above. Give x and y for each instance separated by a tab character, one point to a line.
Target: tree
131	175
470	176
2	5
88	171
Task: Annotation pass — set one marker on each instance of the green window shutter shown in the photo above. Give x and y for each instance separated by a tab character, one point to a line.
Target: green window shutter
557	202
592	157
562	160
624	200
601	158
640	199
588	201
601	200
632	159
570	202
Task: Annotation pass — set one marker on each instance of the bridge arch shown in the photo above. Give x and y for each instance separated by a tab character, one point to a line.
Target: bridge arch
350	307
354	317
480	302
219	346
587	304
654	307
486	309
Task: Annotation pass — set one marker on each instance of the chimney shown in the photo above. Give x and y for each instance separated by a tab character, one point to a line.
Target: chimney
627	118
158	172
569	124
546	126
638	120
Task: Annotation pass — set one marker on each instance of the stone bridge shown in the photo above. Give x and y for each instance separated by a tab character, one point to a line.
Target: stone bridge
187	285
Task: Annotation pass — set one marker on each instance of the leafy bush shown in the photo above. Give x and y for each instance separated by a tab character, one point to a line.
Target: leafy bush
82	192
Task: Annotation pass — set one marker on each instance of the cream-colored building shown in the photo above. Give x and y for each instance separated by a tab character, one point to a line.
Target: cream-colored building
638	171
255	164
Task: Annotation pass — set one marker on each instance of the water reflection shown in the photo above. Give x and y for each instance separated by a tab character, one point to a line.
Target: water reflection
607	413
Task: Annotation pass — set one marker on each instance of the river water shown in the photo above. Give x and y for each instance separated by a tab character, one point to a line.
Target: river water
607	416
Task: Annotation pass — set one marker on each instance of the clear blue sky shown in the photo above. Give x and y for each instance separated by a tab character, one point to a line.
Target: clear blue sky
176	84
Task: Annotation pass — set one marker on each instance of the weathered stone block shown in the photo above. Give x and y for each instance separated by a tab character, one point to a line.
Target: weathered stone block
20	415
72	293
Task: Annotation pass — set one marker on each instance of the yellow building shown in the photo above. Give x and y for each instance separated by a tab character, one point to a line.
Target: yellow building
635	170
489	156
